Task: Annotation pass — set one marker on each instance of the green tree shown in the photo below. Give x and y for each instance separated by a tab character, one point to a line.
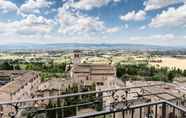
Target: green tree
184	73
171	76
6	65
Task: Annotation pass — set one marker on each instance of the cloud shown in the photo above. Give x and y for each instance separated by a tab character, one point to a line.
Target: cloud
34	6
77	23
7	38
30	25
142	27
134	16
7	6
90	4
157	4
126	26
113	29
154	37
159	39
170	18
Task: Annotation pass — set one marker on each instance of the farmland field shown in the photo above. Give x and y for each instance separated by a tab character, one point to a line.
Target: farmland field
170	62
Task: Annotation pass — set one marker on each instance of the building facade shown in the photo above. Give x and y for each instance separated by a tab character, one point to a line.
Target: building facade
20	88
87	74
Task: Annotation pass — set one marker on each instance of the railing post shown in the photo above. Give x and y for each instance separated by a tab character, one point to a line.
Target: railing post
132	113
183	115
140	112
156	111
163	110
123	113
148	112
173	111
114	115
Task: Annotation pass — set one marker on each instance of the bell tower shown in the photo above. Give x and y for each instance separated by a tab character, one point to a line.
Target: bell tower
76	57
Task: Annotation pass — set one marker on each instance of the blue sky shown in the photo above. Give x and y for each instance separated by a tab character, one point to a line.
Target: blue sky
157	22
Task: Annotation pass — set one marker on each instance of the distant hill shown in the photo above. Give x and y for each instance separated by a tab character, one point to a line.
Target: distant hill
30	46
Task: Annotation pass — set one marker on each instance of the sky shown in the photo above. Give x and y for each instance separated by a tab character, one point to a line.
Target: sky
154	22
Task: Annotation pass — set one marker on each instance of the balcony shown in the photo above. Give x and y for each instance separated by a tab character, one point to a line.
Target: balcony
128	102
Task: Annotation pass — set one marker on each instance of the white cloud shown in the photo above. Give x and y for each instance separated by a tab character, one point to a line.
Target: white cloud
157	4
126	26
77	23
31	24
159	39
7	38
113	29
170	18
7	6
156	37
142	27
135	16
33	6
73	21
90	4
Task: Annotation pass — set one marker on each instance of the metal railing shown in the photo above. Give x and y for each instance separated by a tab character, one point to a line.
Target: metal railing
127	102
161	109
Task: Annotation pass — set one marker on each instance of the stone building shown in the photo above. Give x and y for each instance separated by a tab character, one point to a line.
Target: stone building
76	57
86	74
22	87
52	87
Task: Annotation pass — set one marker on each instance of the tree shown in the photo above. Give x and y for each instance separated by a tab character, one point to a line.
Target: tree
6	66
119	70
171	76
156	77
184	73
